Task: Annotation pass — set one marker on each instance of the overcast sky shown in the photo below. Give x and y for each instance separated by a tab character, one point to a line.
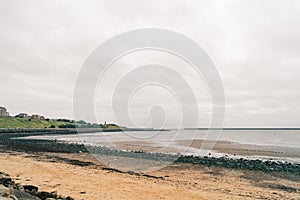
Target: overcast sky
255	45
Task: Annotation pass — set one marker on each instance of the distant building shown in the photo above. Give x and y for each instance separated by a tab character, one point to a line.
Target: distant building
3	112
26	116
35	117
22	115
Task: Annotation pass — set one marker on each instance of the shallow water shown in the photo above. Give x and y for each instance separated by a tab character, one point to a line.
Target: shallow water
272	138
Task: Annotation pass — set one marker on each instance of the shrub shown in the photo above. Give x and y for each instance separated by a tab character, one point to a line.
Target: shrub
67	126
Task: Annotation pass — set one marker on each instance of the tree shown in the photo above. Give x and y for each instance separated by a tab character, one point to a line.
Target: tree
81	122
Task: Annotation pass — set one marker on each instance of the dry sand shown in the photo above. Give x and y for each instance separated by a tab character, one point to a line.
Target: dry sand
180	181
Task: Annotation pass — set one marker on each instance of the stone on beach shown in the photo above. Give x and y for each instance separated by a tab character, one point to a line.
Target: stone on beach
4	191
9	190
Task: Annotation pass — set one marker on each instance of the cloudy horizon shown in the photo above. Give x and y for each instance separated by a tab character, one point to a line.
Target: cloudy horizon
255	46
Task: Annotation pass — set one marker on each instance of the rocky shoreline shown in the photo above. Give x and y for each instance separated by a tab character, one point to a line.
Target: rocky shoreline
14	142
9	190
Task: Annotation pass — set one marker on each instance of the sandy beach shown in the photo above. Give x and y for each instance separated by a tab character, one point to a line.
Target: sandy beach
59	172
70	170
147	100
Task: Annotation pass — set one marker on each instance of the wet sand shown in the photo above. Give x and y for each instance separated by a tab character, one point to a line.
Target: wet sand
67	174
223	147
244	149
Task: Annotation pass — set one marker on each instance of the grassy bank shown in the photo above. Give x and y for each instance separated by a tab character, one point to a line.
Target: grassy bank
22	123
12	122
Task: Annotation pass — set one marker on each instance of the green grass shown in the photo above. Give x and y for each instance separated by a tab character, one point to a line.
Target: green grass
12	122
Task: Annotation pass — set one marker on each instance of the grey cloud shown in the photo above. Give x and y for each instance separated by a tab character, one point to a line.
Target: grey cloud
254	44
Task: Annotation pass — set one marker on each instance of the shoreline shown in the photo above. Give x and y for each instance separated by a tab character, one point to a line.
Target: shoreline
224	148
192	147
71	170
9	142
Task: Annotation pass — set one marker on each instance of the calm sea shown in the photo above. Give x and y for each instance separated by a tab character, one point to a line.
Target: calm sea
286	139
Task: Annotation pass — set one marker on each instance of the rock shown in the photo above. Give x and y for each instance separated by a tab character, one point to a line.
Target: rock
13	197
30	188
53	194
43	195
22	195
4	191
7	198
6	181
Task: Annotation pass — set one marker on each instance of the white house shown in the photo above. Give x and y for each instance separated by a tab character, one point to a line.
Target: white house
3	111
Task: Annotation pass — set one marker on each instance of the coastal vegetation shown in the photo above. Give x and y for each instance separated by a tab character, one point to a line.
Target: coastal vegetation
23	123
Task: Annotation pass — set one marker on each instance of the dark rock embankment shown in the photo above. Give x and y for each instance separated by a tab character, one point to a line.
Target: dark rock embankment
269	166
9	190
